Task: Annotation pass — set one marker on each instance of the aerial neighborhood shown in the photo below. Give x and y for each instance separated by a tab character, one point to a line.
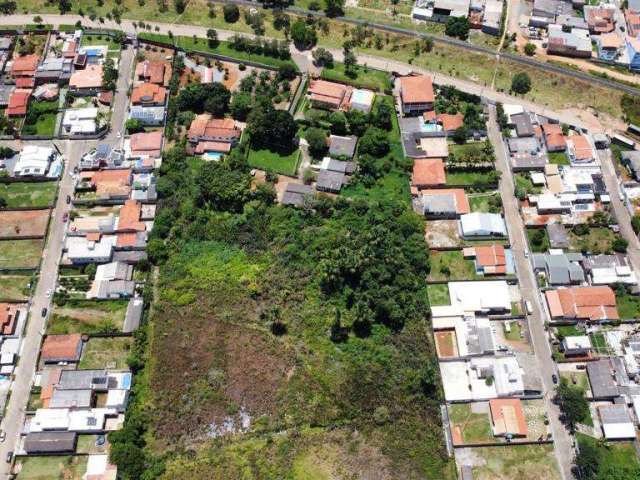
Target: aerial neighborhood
318	240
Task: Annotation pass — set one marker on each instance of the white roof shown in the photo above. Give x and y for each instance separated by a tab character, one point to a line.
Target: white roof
635	399
77	114
480	296
609	275
97	464
49	419
616	422
538	178
577	342
511	109
34	160
482	224
79	248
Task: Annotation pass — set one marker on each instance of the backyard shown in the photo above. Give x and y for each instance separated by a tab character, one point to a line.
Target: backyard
558	158
45	468
628	305
538	239
41	118
14	287
364	78
485	202
451	265
31	194
87	316
597	240
599	344
478	179
438	294
106	352
470	423
274	161
515	332
16	254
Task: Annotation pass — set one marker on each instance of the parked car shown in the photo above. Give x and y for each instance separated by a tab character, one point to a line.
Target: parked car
529	307
9	457
68	199
44	312
65	217
554	377
3	435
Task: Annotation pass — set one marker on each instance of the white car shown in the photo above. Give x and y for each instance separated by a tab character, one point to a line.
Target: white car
48	293
119	135
3	435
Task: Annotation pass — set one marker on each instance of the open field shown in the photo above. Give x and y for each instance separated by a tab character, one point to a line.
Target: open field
23	223
515	462
109	352
274	162
45	468
87	316
451	265
15	254
598	240
29	194
628	306
619	457
14	287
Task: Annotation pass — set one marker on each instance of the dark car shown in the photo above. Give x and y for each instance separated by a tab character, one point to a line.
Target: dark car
9	457
65	217
44	312
68	199
554	377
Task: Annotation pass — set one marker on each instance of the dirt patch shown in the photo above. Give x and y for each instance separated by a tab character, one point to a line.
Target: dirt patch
442	234
446	344
24	223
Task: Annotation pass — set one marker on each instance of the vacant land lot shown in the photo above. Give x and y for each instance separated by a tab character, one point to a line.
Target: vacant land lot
628	306
470	423
598	240
446	346
438	294
88	316
619	457
14	287
286	164
365	77
515	462
451	265
43	468
20	254
109	352
485	202
36	194
443	233
23	223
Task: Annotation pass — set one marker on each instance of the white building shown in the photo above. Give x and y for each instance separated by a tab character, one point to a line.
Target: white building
80	120
34	161
482	225
81	250
112	280
489	296
616	422
362	100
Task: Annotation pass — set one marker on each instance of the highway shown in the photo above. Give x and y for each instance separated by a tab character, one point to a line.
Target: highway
529	290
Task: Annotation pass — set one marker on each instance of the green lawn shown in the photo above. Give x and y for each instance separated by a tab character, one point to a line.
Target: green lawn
14	287
41	118
17	254
365	78
612	456
475	427
87	316
559	158
599	343
485	202
275	162
472	152
569	330
598	240
515	334
472	179
524	184
438	294
89	40
628	306
521	462
87	445
110	352
33	194
579	379
55	467
451	266
538	246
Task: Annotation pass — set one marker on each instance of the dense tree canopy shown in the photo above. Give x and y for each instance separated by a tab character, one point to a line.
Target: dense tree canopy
271	128
205	97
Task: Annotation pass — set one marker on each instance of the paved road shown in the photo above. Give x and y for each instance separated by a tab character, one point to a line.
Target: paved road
529	289
14	415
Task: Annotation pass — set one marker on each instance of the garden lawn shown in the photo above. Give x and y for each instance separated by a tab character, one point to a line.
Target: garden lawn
559	158
523	182
16	254
599	343
14	287
472	179
475	427
89	40
45	468
569	330
105	352
515	333
598	240
614	455
88	316
485	202
581	379
628	306
438	294
451	265
41	118
274	162
521	462
365	77
32	194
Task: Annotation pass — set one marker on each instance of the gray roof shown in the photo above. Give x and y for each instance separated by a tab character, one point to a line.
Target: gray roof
330	181
342	146
70	399
5	93
133	316
561	269
439	204
551	8
523	144
632	159
83	379
523	123
613	414
601	379
295	193
558	237
340	166
5	42
605	261
132	256
526	161
50	442
480	340
571	21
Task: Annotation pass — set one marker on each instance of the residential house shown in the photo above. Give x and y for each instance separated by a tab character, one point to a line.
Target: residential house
112	184
156	72
144	144
342	147
87	81
554	139
602	380
560	268
445	9
61	348
330	181
54	70
633	50
148	116
576	346
339	166
441	203
295	194
492	17
579	149
50	443
18	103
92	248
609	46
208	134
507	418
129	219
450	122
34	161
416	94
610	269
631	158
582	303
523	124
491	296
633	23
329	95
103	156
574	43
479	224
616	422
79	121
490	259
23	70
112	280
427	173
549	9
149	95
601	19
9	316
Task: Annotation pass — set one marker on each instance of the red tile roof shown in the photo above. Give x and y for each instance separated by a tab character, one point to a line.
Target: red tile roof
334	94
222	147
553	136
416	89
592	303
428	172
25	66
18	103
204	127
581	147
129	218
148	94
491	257
633	22
146	143
8	318
25	82
450	122
600	20
157	72
507	417
90	77
126	240
59	348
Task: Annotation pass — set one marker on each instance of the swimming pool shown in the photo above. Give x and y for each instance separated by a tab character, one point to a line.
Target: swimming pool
212	156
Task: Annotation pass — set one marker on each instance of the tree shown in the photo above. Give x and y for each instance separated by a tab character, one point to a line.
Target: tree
64	6
339	334
287	72
240	106
573	404
530	49
619	244
303	35
317	140
37	19
212	38
180	6
358	122
334	8
635	223
322	57
588	460
221	188
338	122
231	13
271	128
381	116
521	83
205	97
374	142
109	74
350	62
457	27
3	202
460	135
